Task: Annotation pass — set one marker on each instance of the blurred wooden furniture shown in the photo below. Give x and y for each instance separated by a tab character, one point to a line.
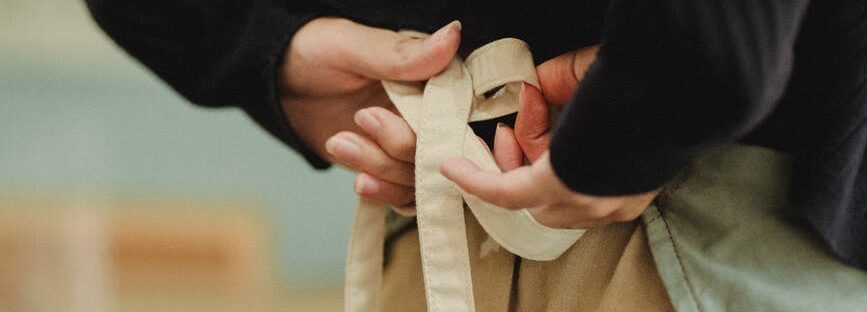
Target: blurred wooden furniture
131	255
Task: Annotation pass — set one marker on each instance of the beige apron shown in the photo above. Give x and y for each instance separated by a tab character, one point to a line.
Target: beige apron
609	269
438	111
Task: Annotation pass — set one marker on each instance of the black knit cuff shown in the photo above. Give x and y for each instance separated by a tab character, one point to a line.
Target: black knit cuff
609	140
604	169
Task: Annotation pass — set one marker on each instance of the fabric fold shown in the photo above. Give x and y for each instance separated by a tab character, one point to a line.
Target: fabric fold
485	86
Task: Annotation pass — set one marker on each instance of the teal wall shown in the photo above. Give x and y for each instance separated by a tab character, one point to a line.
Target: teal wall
78	118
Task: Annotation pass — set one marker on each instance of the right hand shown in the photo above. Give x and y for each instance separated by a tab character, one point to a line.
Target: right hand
333	66
393	138
331	79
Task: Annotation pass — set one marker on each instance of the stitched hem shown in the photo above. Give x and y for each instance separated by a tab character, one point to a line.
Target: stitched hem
668	261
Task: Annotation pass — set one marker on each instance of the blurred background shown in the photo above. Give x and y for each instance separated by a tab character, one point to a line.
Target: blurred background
117	195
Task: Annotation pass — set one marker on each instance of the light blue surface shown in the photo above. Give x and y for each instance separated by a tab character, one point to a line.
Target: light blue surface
75	123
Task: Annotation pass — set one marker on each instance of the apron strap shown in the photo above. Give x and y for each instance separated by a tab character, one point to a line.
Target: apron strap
438	111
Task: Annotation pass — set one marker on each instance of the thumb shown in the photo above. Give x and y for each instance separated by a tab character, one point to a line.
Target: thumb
383	54
533	122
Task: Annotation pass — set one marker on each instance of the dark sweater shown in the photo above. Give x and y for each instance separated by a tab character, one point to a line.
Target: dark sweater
673	77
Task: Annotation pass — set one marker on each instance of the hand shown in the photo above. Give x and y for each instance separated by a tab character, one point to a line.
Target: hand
384	156
549	200
333	66
331	78
536	186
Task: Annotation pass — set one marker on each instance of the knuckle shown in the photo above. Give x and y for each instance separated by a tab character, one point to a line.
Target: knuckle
596	212
404	147
401	57
376	166
506	201
386	168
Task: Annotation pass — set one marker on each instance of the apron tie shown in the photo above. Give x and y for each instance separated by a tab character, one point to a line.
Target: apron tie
438	111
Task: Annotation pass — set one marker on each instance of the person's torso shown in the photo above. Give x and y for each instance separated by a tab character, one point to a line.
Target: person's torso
821	118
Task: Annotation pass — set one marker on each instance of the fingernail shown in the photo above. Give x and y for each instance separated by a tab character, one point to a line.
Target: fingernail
364	185
457	25
359	185
443	32
342	148
368	122
499	132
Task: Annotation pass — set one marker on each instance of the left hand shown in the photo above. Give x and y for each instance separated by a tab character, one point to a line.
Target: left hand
536	186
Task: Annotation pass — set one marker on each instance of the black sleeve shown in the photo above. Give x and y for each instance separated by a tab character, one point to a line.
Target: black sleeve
216	53
672	78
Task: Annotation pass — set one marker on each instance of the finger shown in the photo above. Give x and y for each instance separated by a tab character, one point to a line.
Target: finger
507	152
594	211
557	78
383	191
584	58
386	55
512	190
360	154
532	125
389	130
571	217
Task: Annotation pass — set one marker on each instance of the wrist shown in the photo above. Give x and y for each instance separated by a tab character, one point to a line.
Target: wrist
311	130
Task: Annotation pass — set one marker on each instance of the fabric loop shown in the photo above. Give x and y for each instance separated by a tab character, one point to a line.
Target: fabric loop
438	111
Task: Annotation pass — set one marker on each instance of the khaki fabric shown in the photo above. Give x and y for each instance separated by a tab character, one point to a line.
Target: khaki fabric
486	85
717	239
609	269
